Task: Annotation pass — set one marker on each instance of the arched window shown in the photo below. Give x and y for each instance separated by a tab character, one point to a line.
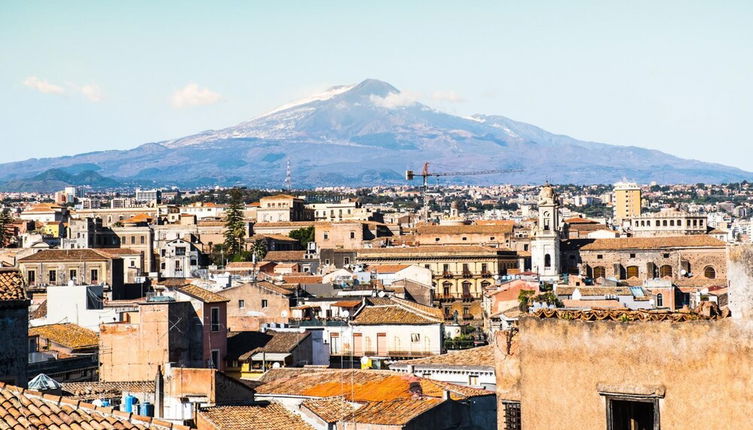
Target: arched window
659	300
672	223
547	261
665	270
485	284
709	272
664	223
446	288
632	272
599	272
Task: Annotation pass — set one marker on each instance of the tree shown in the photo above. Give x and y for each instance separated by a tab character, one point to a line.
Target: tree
235	227
260	249
5	220
303	235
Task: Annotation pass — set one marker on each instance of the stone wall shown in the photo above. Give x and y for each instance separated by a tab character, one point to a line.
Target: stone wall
702	371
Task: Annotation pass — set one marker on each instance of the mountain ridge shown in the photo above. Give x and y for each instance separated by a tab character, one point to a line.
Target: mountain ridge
369	133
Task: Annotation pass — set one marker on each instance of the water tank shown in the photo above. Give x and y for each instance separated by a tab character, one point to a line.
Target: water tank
146	409
130	401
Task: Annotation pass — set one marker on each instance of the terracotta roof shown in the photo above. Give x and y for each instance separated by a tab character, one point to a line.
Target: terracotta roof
480	356
393	412
279	289
100	389
285	224
579	220
625	315
593	304
138	218
277	237
500	229
64	255
347	303
67	334
42	207
202	294
688	241
393	314
427	311
12	285
302	279
331	409
284	255
281	342
115	252
264	416
387	268
27	409
362	385
431	250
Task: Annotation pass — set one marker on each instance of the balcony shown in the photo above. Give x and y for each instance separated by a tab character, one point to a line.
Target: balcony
486	275
467	275
447	275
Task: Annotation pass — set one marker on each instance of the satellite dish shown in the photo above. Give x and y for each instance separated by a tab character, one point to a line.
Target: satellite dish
683	272
381	294
276	365
284	314
364	360
346	313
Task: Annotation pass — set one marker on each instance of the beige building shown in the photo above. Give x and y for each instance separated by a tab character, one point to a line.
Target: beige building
345	210
457	271
283	208
626	200
668	223
498	234
350	235
80	266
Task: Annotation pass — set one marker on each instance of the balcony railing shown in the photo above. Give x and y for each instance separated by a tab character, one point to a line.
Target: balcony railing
467	275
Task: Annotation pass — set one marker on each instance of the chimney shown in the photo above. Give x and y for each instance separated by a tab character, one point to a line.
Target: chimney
445	395
159	394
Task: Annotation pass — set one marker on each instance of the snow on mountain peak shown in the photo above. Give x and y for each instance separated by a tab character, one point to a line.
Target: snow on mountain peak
325	95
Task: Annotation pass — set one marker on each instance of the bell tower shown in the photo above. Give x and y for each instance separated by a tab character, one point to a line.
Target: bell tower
545	248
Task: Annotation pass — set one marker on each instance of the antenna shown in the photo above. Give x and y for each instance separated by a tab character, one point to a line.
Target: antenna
288	184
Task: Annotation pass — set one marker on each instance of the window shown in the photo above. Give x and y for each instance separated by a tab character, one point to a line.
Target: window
352	234
94	276
214	318
346	260
473	380
264	303
31	276
436	239
709	272
599	256
133	240
465	238
599	272
72	274
180	250
215	359
659	300
142	240
632	255
484	268
326	261
632	272
547	261
133	263
491	238
512	415
415	337
241	303
665	271
466	312
632	413
326	236
53	276
665	255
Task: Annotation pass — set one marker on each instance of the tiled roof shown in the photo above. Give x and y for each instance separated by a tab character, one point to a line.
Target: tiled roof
625	315
264	416
427	311
480	356
277	237
363	385
281	342
278	197
284	255
202	294
302	279
64	255
100	389
138	218
431	251
393	412
465	229
26	409
593	304
67	334
347	303
387	268
11	285
579	220
688	241
118	251
393	314
331	409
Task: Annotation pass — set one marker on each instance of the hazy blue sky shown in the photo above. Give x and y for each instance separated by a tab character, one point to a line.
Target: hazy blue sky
670	75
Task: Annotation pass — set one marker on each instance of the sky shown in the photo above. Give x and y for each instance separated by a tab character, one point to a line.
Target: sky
81	76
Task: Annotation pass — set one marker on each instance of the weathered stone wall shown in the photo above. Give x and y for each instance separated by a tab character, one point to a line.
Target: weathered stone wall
740	273
704	369
507	369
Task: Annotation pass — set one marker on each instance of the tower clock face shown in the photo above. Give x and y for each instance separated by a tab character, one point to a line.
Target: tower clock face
546	214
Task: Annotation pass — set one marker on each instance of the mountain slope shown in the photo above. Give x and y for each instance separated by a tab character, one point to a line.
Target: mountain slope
368	134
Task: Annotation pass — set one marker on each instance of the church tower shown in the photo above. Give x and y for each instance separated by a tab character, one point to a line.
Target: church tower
545	247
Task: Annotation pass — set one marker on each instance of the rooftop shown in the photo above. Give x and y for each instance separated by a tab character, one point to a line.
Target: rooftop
331	409
263	416
480	356
64	255
67	334
11	285
202	294
688	241
622	315
100	389
391	314
393	412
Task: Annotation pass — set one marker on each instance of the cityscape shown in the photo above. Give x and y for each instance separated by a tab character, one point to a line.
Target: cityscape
367	257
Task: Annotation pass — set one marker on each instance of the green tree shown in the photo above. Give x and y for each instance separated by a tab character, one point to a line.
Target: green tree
235	227
260	249
303	235
5	220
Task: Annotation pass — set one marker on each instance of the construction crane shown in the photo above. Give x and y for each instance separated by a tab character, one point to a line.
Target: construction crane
425	175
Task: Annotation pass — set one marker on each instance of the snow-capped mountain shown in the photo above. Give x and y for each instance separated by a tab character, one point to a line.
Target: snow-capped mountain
370	133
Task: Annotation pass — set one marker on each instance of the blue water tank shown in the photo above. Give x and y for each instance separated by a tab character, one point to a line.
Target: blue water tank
146	409
130	401
106	403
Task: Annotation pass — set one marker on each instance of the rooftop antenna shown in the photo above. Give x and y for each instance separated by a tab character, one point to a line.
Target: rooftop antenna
287	185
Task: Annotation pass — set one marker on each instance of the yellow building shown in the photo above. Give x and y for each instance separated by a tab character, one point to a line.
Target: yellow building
627	200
